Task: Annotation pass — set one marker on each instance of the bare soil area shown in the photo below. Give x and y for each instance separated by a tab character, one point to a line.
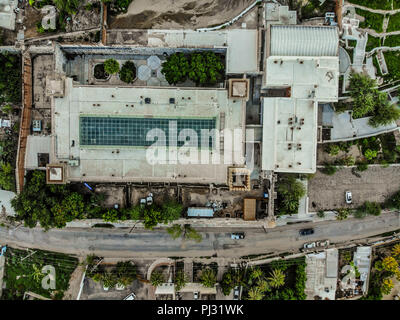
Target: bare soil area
375	184
169	14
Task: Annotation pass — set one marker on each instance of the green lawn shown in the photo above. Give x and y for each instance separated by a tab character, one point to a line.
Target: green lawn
392	41
373	42
372	20
21	276
374	4
394	23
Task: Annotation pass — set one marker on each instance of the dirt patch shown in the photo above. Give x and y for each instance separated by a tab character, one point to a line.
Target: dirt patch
177	14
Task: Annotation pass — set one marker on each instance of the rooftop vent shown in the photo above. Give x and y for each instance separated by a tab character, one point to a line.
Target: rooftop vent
147	100
172	100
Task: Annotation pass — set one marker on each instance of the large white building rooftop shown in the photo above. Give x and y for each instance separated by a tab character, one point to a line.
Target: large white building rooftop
105	128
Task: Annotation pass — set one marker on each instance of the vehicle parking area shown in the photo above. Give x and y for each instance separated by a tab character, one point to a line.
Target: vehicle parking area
375	184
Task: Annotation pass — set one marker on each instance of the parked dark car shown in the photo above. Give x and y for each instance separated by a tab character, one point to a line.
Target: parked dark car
237	235
306	232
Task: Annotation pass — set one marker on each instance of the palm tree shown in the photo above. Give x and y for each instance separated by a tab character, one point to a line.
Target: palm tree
156	278
263	285
255	294
208	278
276	278
256	273
180	280
37	274
185	231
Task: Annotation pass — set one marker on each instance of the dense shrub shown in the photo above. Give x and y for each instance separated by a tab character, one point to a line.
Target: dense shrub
128	72
111	66
10	78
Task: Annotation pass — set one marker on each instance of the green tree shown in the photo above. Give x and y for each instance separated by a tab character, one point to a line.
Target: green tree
387	286
175	68
276	278
370	154
156	278
332	149
329	169
363	93
128	72
255	293
385	113
186	232
181	280
372	208
7	179
109	279
290	190
208	278
125	273
111	66
110	215
68	6
205	67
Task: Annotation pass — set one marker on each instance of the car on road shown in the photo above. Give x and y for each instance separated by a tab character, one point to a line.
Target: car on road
309	245
323	243
306	232
237	235
196	295
236	293
131	296
349	197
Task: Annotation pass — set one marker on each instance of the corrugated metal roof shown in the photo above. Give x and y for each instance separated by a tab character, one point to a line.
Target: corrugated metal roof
200	212
313	41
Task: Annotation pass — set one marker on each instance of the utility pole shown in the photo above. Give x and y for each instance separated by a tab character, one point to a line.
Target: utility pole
22	259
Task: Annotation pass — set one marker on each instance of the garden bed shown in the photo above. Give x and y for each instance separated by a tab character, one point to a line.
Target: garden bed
26	275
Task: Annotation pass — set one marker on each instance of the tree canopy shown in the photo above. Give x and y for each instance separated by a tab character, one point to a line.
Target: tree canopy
128	72
111	66
290	190
367	100
200	67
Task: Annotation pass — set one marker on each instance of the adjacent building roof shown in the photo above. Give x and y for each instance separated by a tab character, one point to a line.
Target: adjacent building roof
315	41
7	14
200	212
289	135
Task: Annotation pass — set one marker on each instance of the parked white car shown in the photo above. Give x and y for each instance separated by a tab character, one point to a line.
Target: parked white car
349	197
310	245
131	296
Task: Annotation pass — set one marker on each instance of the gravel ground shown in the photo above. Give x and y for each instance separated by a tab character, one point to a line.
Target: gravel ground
375	184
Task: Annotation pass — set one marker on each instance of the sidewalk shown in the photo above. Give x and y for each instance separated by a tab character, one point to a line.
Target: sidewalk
2	267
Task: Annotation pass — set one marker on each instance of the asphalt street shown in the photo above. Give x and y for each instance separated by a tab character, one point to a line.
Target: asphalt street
158	243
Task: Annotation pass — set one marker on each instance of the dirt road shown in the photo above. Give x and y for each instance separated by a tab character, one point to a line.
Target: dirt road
177	14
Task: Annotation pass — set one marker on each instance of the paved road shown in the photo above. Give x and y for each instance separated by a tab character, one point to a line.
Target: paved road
120	243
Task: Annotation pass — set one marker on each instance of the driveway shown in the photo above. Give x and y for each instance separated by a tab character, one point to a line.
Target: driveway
375	184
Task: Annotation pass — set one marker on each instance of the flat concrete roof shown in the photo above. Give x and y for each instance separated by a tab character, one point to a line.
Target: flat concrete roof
289	135
318	284
104	163
36	145
241	44
313	41
7	14
242	54
309	77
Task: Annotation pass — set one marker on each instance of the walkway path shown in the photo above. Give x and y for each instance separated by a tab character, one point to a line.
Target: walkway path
348	4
